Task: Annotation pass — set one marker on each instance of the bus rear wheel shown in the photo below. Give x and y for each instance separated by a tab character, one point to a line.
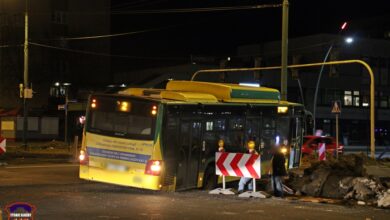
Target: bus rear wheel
210	179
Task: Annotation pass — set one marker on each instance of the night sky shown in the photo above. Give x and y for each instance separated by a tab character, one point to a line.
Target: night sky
219	33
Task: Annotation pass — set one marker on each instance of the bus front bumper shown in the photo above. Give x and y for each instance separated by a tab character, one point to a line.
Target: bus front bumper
132	179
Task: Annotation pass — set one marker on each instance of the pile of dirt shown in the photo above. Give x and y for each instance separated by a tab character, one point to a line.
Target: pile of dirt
344	178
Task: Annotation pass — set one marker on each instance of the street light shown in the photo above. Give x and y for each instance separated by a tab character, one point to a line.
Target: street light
342	28
349	40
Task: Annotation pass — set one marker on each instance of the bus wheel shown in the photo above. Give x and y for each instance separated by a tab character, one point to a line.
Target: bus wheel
210	179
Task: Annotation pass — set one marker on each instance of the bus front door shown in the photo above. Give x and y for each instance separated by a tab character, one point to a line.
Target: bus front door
189	153
296	142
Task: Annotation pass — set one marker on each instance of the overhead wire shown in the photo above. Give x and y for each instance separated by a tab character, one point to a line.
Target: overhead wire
137	4
114	35
192	10
126	4
175	10
10	45
105	54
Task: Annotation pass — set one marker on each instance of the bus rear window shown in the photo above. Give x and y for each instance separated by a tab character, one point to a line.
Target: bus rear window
136	123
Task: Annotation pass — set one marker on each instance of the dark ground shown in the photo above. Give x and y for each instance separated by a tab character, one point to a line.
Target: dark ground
56	191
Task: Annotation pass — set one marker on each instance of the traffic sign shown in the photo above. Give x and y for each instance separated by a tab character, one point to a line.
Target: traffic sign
336	107
237	164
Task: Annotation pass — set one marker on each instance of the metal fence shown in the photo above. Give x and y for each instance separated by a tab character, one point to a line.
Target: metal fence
39	128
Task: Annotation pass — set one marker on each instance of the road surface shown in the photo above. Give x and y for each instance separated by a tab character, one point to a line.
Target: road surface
58	194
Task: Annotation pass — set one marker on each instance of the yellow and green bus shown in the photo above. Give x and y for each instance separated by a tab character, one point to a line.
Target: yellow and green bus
166	139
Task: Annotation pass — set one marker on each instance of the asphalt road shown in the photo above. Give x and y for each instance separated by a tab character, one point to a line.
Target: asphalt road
58	194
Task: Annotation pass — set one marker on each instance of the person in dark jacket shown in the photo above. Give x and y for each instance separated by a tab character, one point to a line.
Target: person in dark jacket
278	171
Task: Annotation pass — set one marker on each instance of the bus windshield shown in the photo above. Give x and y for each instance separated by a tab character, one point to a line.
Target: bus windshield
121	117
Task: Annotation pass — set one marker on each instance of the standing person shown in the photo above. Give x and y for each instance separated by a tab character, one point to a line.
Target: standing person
247	180
278	171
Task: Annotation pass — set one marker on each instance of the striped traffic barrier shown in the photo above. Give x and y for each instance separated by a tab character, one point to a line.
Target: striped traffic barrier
322	151
3	144
237	165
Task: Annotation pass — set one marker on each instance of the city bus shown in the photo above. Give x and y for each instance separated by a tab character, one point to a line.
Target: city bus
166	139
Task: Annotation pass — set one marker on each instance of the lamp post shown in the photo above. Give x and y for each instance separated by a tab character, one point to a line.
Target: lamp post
25	76
343	26
66	86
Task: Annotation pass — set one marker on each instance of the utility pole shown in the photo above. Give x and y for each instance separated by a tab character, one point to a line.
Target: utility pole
25	76
283	78
66	114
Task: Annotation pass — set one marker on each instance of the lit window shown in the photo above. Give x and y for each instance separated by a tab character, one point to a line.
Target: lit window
347	98
215	125
365	99
209	126
356	98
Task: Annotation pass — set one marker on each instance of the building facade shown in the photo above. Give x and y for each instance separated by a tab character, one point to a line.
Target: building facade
54	54
346	83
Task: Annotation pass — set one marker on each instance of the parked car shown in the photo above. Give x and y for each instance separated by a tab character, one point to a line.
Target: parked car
311	144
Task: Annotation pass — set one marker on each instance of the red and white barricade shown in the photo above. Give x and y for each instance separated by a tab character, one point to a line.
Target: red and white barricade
2	145
238	165
322	151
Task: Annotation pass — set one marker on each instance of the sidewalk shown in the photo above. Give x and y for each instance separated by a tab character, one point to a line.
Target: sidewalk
40	149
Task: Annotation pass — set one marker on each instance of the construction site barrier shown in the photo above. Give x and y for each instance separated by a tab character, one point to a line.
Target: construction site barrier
3	144
237	165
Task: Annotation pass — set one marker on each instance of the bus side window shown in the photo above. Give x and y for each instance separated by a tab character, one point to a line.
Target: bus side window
268	136
283	130
235	134
252	131
214	131
171	137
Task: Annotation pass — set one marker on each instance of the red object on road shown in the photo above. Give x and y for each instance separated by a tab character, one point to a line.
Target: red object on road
238	164
311	145
2	145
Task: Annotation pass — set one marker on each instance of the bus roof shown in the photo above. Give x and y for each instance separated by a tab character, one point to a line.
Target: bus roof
207	92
